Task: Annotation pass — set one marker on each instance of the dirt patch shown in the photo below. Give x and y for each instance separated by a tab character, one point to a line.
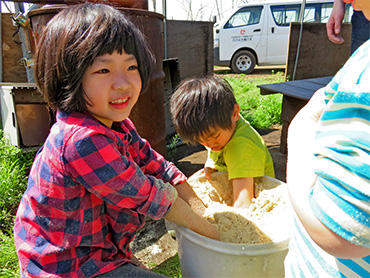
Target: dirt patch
153	245
259	73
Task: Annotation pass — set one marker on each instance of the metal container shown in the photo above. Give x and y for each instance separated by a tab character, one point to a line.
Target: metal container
148	114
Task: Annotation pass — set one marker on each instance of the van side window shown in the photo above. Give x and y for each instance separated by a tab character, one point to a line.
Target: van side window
309	14
284	14
245	16
317	12
325	12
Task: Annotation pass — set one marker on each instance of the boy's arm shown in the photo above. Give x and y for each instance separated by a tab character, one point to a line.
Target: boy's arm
243	192
182	214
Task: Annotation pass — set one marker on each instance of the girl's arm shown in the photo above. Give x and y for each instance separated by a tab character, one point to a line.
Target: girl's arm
182	214
243	192
301	178
187	193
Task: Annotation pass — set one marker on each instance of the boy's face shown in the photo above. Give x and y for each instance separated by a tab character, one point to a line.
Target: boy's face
112	85
217	138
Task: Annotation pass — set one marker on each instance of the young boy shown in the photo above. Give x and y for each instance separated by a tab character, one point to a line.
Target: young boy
204	110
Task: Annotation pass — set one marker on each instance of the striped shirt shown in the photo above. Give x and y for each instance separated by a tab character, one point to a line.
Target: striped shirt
89	190
341	196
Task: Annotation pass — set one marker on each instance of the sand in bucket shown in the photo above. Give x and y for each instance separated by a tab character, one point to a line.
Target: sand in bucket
266	219
254	240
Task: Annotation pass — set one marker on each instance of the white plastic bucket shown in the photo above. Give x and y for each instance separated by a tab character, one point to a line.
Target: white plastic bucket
204	257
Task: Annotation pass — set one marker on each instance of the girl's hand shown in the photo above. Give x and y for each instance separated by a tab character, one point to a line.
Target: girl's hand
182	214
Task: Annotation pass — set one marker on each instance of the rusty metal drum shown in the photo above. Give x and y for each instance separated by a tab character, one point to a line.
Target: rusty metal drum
137	4
148	114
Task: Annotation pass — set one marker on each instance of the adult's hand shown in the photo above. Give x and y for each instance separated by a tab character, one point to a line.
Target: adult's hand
334	24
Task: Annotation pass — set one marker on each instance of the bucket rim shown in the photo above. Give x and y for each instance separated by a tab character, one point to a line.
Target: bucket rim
231	248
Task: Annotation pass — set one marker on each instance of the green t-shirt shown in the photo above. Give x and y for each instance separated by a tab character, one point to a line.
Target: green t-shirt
245	155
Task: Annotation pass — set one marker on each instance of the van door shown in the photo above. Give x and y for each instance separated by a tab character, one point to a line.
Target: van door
279	18
244	29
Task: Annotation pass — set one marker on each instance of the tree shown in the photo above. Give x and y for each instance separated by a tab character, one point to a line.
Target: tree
154	3
191	14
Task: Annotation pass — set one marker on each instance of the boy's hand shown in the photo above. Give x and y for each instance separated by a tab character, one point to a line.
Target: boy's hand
208	171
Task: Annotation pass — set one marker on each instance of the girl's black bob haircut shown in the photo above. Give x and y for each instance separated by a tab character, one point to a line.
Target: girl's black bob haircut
72	40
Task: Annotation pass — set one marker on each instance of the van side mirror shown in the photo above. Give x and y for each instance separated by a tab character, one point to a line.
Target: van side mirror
214	19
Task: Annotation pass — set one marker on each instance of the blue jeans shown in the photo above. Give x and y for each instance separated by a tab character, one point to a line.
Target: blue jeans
360	30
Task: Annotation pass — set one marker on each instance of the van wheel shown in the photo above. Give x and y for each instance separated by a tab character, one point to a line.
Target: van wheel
243	62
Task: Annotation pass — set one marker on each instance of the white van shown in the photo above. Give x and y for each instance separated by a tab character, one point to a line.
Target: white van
258	32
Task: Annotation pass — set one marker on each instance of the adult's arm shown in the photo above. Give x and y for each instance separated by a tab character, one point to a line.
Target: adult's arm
301	178
334	24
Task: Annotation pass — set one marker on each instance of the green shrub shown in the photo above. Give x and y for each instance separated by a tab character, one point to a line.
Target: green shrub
14	166
8	257
261	111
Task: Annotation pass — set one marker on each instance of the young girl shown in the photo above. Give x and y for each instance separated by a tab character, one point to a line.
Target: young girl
95	179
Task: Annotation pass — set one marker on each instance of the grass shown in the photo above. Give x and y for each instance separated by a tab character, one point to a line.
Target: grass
8	257
261	111
170	267
14	167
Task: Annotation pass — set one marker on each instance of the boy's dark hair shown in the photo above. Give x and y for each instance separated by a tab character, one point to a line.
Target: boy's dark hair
201	104
72	40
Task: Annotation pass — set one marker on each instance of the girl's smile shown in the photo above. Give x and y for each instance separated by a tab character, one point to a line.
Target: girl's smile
120	103
112	86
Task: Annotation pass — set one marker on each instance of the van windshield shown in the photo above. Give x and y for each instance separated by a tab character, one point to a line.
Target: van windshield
245	16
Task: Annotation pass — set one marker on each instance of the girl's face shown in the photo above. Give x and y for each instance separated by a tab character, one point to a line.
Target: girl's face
112	85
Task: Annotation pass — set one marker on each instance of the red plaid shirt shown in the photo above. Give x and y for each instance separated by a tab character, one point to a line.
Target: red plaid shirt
88	192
